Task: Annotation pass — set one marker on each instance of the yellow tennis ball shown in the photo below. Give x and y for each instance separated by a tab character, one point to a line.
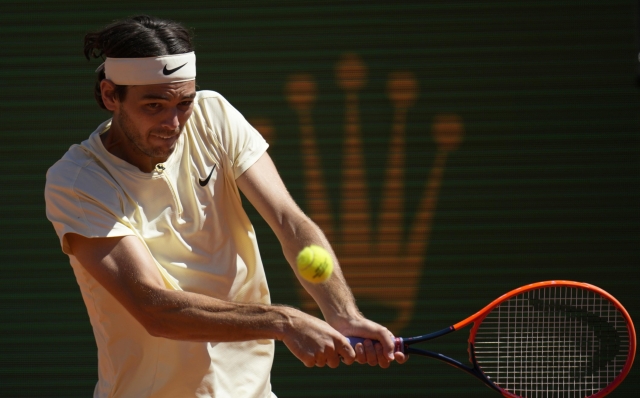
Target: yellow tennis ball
315	264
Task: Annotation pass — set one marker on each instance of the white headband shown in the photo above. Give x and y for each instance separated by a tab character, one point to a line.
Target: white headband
152	70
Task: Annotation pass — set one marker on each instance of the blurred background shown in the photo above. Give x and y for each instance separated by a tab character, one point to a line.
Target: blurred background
490	145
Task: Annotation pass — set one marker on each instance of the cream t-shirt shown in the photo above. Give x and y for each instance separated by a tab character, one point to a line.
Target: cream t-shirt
188	213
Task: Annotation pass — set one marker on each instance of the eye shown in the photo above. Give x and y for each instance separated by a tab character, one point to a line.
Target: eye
186	104
153	106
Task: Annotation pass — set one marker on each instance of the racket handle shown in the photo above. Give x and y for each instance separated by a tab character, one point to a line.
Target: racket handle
399	344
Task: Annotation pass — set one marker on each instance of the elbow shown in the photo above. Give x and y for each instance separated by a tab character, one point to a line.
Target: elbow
295	225
151	321
154	316
158	326
157	331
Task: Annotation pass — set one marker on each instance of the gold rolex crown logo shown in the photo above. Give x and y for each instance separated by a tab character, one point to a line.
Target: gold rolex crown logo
381	264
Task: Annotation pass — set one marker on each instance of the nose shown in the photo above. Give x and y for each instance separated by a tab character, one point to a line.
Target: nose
171	121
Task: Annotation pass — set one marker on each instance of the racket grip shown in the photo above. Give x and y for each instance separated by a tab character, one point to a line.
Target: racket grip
399	344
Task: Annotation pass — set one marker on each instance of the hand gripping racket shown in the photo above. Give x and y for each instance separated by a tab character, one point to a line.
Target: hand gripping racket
555	339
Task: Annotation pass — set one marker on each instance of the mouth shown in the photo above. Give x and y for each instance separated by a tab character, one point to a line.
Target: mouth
162	140
165	137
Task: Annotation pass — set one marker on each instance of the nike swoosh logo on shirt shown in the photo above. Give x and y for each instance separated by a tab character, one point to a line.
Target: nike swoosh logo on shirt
167	72
206	180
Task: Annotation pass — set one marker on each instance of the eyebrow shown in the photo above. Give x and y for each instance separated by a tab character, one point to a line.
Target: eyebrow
166	98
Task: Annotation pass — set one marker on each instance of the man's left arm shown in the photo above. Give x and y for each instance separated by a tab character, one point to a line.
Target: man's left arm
264	188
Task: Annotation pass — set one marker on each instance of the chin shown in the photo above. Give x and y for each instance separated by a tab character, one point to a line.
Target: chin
162	153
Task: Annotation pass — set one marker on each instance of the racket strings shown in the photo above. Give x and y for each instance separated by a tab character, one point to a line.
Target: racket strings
553	342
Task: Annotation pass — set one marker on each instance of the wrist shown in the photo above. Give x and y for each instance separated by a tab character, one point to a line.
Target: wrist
344	318
284	321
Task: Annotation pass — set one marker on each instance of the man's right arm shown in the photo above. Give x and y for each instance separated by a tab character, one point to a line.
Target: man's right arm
126	270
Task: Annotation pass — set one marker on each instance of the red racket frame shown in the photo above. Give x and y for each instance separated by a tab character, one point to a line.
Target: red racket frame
479	316
403	344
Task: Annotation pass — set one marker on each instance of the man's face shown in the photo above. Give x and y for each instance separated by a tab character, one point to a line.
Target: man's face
152	117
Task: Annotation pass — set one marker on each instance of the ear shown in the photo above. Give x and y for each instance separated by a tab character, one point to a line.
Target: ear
108	91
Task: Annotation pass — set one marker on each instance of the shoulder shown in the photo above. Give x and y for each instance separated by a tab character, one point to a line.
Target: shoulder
213	106
66	170
79	173
209	98
214	115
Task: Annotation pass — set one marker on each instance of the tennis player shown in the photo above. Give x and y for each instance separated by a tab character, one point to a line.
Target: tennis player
149	212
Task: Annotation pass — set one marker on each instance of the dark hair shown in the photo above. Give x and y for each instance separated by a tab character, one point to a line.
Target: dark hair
136	37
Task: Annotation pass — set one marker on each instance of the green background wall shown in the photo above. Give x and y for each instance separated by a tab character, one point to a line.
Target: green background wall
544	185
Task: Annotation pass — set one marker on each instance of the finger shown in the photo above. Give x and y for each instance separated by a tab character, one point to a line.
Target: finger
332	359
383	360
361	356
370	352
320	359
346	352
400	357
388	345
309	361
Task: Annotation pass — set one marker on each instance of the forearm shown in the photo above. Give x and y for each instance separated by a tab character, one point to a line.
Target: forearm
332	296
124	267
264	189
189	316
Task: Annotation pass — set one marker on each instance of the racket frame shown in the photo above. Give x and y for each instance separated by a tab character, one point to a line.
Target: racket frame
404	344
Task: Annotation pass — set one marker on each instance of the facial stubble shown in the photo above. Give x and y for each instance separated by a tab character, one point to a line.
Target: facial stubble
137	138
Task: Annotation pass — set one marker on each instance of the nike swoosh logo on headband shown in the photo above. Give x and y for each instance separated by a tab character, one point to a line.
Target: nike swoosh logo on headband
167	72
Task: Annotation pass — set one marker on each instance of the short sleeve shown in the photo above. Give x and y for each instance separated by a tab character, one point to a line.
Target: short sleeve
84	200
242	143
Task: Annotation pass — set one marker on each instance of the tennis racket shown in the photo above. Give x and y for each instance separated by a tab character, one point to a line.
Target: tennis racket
555	339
